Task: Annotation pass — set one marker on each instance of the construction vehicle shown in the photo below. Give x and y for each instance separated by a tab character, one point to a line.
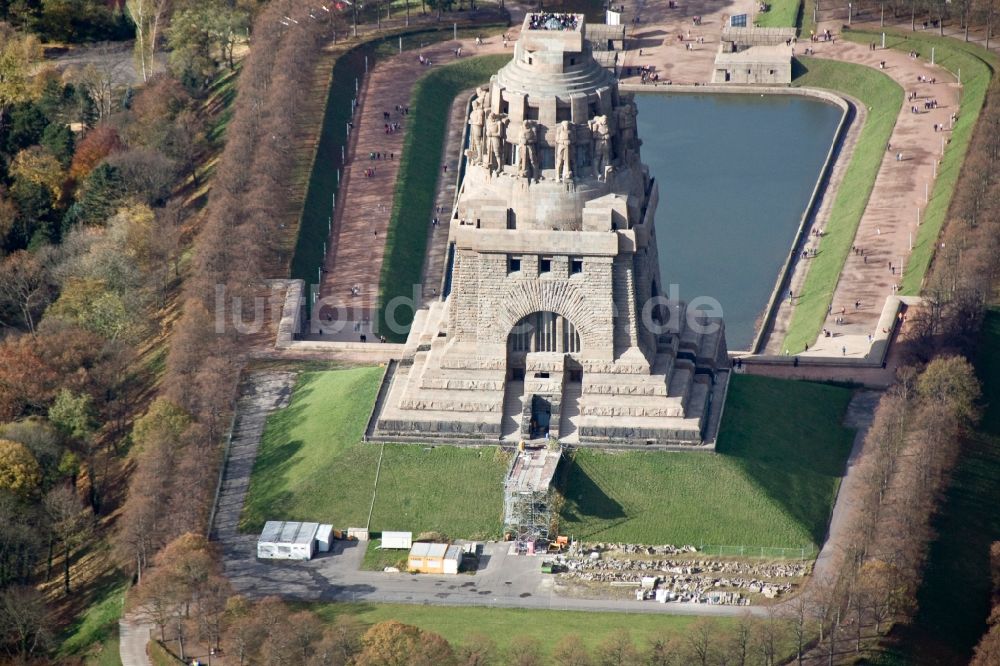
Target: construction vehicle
559	545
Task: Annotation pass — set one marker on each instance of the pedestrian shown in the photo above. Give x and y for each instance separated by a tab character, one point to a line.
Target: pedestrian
843	351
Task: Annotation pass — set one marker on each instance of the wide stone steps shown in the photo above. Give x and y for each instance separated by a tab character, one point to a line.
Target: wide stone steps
569	416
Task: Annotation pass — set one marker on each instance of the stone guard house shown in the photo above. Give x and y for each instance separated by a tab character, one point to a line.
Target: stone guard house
554	325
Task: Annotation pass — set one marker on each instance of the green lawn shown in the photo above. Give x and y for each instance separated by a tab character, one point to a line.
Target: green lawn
503	624
95	632
312	465
883	97
781	451
416	183
976	66
954	598
377	559
781	14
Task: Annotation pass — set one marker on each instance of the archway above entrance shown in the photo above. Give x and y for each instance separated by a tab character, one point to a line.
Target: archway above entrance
544	332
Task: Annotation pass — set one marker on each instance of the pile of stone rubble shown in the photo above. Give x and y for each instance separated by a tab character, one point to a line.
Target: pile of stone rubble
689	579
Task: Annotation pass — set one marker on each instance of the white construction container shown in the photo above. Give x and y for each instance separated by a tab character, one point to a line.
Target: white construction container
282	540
359	533
453	560
400	540
324	538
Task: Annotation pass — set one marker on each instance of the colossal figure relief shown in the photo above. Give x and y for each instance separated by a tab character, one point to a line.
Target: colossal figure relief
527	153
476	119
494	142
625	119
564	151
602	144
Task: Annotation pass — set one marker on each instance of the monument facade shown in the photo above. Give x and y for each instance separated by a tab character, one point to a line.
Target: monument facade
556	323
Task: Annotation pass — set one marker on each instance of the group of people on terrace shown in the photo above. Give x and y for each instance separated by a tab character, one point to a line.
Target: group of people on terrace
550	21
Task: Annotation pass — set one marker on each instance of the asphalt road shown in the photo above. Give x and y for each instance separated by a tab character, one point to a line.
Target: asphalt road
505	581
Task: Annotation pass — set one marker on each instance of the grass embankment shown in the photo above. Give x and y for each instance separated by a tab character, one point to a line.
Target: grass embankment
780	14
94	633
883	98
416	183
954	599
312	465
781	452
458	624
976	66
314	223
782	449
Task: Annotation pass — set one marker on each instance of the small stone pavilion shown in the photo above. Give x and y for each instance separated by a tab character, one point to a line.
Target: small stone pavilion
552	323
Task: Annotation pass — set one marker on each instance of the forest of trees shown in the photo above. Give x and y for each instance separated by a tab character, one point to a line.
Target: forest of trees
93	231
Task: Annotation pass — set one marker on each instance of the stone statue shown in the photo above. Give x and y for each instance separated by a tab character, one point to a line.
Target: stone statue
483	95
477	117
564	151
527	151
495	123
602	144
625	119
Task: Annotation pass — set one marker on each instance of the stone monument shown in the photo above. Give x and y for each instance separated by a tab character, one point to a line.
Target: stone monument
553	323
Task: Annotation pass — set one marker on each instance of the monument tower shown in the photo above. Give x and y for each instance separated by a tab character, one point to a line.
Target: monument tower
554	323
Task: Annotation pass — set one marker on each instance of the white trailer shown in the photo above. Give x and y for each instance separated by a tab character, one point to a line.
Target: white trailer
400	540
280	540
453	560
324	538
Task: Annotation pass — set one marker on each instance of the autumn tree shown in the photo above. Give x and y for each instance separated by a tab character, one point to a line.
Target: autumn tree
24	623
19	471
524	651
617	650
393	643
69	524
25	287
18	55
96	144
341	642
73	416
570	651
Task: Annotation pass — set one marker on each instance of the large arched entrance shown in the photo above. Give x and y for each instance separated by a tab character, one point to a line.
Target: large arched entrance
536	393
543	332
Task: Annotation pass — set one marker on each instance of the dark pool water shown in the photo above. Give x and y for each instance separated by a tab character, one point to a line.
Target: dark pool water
735	173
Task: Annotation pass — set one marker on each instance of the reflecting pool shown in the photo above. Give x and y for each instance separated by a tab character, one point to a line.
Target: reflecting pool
735	172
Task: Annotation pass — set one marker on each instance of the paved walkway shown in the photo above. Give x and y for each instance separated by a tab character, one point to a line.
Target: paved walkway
669	43
262	393
889	223
133	636
353	263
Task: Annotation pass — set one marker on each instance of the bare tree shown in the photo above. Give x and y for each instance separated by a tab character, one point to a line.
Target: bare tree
68	522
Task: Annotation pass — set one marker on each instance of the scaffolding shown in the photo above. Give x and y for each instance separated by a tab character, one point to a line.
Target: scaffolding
527	494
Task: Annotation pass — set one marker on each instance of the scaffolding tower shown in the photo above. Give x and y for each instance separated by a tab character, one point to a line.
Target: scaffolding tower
527	494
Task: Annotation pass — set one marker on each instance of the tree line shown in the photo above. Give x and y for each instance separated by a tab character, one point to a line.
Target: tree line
96	217
923	422
195	614
241	243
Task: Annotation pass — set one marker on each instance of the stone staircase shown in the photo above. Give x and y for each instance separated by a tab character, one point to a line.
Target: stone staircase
570	416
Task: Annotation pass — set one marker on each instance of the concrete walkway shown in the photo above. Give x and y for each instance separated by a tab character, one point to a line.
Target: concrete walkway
133	636
261	394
